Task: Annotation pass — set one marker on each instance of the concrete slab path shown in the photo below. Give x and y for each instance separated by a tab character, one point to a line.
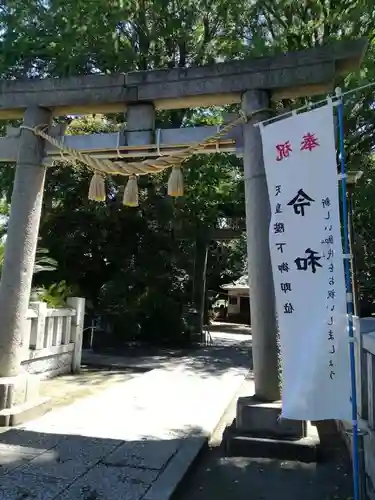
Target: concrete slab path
134	440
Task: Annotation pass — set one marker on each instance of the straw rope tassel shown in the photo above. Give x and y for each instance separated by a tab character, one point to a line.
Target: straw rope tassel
97	188
131	192
176	182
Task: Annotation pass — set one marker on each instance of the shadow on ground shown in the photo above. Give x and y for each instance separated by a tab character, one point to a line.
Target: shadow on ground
220	477
40	466
230	349
218	359
225	327
94	375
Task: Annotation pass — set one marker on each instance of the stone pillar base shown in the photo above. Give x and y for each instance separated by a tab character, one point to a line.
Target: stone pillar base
258	431
263	419
20	400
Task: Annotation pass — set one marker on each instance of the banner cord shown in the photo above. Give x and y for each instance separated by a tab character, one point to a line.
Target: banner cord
334	99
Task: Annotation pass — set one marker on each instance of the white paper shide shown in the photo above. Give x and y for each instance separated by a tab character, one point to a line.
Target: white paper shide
307	264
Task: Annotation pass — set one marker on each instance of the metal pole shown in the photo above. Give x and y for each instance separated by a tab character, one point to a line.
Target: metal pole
200	271
349	300
352	250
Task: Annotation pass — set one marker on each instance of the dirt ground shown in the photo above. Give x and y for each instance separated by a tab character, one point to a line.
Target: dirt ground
67	389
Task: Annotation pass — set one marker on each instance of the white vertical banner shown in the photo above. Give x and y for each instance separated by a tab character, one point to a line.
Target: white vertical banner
307	264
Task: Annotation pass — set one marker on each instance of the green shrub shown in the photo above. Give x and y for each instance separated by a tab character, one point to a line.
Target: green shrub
55	295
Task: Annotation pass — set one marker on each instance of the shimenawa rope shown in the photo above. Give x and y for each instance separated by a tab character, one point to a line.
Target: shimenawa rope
102	167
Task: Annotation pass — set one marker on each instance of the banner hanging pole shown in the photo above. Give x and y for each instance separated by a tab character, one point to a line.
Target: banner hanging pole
349	295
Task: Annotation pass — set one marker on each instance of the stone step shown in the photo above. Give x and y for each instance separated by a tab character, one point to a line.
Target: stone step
306	449
19	414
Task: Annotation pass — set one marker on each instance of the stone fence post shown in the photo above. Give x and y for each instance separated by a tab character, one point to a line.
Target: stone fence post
77	303
38	328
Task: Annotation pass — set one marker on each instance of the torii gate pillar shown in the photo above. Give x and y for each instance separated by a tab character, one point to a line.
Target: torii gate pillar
262	294
17	390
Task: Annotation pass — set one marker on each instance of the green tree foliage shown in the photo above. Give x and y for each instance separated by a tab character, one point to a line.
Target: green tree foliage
43	262
128	262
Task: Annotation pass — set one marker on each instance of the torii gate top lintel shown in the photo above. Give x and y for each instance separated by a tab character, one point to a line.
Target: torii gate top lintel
294	74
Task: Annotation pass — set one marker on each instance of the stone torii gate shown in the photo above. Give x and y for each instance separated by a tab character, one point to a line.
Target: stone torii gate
253	83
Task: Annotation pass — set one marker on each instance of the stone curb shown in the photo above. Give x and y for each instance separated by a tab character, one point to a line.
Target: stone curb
177	468
186	457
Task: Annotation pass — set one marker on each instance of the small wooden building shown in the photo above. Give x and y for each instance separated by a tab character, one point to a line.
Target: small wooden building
238	301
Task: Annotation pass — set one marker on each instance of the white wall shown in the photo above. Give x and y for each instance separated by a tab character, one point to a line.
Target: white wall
233	308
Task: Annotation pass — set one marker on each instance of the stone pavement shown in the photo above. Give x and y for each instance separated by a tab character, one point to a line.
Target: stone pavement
134	440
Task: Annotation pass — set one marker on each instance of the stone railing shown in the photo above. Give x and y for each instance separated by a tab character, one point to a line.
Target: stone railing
365	378
53	338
